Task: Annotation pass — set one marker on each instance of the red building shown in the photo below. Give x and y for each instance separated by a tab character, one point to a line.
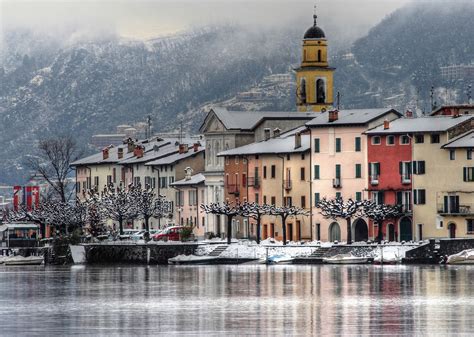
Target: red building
390	177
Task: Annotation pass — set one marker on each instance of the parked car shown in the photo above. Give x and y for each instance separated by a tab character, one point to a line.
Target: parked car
128	233
140	234
170	233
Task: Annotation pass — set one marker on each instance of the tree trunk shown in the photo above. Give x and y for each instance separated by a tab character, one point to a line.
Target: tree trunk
229	229
147	225
121	225
380	234
258	230
349	232
283	224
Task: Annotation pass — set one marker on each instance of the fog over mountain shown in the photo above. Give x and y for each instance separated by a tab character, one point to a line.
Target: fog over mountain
83	68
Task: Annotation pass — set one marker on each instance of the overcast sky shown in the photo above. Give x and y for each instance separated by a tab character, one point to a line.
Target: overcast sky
144	19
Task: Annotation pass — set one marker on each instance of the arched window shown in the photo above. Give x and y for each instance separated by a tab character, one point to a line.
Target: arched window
334	232
302	93
319	55
320	91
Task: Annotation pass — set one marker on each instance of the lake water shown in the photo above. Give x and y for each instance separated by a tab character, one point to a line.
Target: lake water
237	300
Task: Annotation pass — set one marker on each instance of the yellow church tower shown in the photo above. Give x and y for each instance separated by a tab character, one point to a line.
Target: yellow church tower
314	78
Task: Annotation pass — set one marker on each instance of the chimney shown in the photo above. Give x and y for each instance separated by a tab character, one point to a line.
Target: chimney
297	140
105	153
120	153
409	114
183	148
276	132
386	124
333	115
130	144
188	172
266	133
196	147
138	151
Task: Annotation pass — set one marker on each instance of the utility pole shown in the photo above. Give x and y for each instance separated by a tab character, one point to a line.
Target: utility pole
432	97
468	93
148	129
338	100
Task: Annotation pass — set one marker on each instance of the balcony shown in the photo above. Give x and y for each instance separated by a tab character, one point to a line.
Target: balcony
374	179
464	209
253	182
336	183
287	184
233	189
405	178
405	208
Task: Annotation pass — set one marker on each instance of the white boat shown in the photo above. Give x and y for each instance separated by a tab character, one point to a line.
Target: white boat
78	253
387	260
464	257
23	261
279	259
3	258
345	259
191	259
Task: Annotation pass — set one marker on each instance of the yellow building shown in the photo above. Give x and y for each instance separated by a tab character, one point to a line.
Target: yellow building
314	78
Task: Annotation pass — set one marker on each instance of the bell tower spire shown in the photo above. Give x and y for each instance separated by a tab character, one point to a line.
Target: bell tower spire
314	78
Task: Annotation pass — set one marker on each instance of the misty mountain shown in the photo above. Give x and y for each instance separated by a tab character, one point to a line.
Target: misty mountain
83	88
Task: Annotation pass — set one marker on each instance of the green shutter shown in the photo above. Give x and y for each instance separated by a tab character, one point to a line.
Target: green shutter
358	169
316	171
338	144
357	144
464	173
338	195
358	196
316	145
316	198
338	171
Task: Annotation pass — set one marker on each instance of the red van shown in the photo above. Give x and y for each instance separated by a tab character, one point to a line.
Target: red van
172	233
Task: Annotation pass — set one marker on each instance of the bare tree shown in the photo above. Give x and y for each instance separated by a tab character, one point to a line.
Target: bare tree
380	212
338	208
53	161
284	212
256	211
118	205
226	209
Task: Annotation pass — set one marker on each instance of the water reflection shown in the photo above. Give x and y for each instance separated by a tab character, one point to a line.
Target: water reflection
254	300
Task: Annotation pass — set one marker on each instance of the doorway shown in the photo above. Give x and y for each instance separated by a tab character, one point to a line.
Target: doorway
452	230
405	229
361	230
391	232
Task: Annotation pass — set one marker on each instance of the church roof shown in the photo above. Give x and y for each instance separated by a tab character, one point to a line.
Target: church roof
314	32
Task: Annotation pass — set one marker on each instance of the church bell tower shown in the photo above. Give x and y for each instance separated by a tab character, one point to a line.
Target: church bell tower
314	78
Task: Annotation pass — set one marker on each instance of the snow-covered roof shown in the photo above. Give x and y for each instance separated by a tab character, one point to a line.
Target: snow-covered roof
350	117
14	226
195	180
466	140
421	124
283	144
171	159
249	120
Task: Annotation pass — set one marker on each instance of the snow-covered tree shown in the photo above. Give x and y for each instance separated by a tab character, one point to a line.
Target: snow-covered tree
284	212
380	212
118	205
255	211
338	208
226	209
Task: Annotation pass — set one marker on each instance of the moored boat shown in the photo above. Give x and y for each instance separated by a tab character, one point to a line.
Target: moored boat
191	259
463	257
345	259
23	261
278	259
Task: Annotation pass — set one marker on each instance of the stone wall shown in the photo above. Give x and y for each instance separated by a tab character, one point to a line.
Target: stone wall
136	253
454	246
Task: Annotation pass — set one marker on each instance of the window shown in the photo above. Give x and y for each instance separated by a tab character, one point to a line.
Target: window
302	156
358	196
273	171
469	154
316	171
404	140
170	180
303	201
288	157
435	139
452	154
404	199
419	197
302	174
357	145
374	172
114	175
317	198
273	201
405	171
179	198
338	195
236	159
192	197
316	145
418	167
163	182
338	145
470	225
378	197
264	172
244	180
264	199
109	180
338	171
468	174
419	139
376	140
288	201
390	140
358	170
257	199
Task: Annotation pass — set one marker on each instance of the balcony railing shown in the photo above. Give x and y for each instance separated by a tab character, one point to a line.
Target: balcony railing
405	208
336	183
464	209
374	179
405	178
287	184
233	189
253	182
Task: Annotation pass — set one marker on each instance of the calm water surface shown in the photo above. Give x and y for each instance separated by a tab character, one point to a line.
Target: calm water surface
237	300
